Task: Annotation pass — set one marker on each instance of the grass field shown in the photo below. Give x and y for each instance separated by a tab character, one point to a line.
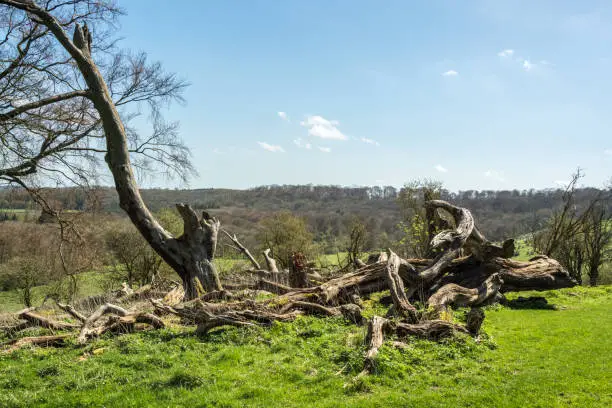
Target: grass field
528	358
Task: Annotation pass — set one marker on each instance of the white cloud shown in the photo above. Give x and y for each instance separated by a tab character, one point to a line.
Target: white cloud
283	116
450	73
528	65
608	152
506	53
322	128
324	149
370	141
271	148
440	168
300	143
495	175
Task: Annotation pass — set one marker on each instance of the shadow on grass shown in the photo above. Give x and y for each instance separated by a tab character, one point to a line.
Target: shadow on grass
532	302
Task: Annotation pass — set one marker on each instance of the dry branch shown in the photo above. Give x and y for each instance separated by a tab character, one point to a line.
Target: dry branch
45	341
35	319
242	249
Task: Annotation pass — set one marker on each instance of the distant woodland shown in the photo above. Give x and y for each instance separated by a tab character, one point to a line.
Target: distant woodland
329	211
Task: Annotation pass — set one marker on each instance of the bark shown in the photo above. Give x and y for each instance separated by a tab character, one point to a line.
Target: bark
298	274
475	318
539	273
430	330
199	243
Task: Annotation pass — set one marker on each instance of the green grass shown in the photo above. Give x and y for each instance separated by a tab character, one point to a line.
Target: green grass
89	283
529	358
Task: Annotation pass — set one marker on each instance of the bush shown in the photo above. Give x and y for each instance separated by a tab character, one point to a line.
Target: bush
286	234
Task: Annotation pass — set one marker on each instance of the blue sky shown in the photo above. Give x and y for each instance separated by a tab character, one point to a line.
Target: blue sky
478	94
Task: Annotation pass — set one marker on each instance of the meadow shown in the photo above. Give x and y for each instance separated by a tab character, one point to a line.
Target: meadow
533	353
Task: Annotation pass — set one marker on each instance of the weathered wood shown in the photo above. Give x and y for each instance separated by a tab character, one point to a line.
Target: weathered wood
43	341
71	311
375	338
298	274
456	295
311	308
35	319
197	250
270	261
87	329
402	306
539	273
430	330
274	287
475	318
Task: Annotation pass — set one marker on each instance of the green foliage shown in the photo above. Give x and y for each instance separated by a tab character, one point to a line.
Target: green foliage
414	228
170	219
285	234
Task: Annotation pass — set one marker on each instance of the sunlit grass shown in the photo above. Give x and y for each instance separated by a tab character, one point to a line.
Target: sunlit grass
528	358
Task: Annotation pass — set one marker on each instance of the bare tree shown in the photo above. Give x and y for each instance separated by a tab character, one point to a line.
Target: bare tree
597	238
577	237
64	103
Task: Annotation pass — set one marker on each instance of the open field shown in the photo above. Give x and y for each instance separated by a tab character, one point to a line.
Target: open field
540	357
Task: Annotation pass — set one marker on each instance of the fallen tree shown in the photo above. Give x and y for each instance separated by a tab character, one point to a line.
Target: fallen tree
468	271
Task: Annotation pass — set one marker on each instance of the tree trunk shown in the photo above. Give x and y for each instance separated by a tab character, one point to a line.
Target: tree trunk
197	250
192	268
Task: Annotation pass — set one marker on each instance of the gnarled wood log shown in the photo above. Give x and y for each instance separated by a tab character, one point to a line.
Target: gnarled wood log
539	273
87	330
402	306
456	295
474	320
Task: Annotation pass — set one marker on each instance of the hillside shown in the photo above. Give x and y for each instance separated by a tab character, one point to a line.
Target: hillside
328	209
